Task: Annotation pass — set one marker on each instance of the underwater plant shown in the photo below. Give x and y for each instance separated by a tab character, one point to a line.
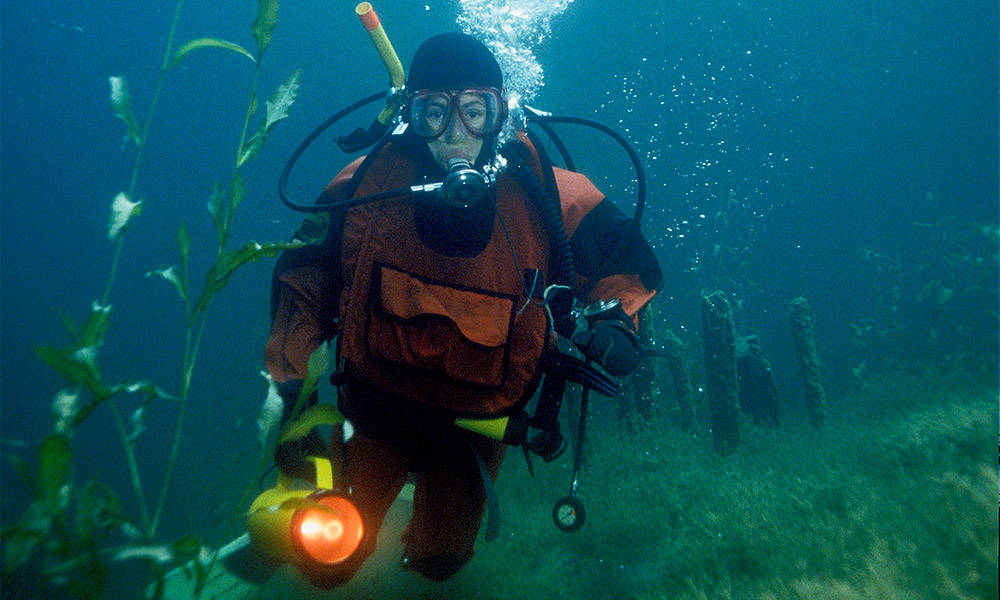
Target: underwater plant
66	529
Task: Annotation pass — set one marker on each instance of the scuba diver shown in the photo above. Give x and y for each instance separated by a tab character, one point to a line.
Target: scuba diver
446	305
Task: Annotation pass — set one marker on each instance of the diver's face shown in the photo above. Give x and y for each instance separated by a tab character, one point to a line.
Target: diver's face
457	141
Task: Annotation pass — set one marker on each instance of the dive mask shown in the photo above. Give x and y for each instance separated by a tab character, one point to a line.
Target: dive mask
481	109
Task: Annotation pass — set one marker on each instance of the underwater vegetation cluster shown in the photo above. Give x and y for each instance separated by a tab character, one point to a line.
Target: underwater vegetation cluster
894	499
75	537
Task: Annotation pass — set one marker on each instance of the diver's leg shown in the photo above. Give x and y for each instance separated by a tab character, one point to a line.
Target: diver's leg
448	504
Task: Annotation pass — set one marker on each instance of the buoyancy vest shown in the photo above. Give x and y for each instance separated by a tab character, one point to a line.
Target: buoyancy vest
456	333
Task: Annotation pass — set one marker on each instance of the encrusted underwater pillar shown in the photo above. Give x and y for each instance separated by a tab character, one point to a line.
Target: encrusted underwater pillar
804	334
683	389
720	366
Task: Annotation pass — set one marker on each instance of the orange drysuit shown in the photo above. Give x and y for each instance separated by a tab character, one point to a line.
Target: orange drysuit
430	329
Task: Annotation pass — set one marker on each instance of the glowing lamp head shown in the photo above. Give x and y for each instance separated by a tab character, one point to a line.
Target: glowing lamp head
328	535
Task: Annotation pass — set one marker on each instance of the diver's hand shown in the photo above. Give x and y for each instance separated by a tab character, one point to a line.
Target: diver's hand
291	456
611	344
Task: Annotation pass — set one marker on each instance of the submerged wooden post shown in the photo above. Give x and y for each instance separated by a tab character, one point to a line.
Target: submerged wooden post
720	366
683	389
804	334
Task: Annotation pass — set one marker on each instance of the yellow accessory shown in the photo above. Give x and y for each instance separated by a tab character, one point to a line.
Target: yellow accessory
491	428
314	527
372	24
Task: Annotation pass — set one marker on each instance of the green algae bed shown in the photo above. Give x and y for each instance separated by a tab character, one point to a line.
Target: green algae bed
895	499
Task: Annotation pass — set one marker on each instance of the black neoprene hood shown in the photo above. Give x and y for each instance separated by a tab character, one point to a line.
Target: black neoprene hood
453	61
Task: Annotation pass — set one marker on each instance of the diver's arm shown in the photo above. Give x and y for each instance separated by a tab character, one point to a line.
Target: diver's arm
303	315
302	320
305	288
613	260
611	256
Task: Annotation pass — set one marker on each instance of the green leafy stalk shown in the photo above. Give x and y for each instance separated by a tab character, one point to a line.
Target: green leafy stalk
117	239
277	109
221	207
141	143
263	26
216	279
78	364
118	242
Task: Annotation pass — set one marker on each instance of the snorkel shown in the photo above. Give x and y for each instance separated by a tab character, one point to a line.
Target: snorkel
396	97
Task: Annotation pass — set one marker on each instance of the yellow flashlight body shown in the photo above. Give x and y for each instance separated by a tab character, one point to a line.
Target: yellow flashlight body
269	521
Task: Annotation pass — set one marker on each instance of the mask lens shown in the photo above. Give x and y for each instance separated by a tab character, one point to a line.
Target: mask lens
430	113
480	109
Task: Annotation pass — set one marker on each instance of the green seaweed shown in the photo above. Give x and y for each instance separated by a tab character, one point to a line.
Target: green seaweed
208	43
66	527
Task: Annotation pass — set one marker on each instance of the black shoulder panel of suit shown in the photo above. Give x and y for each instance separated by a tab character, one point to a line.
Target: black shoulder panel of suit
609	243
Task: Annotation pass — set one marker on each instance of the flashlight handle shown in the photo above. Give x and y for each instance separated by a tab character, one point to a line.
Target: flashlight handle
337	454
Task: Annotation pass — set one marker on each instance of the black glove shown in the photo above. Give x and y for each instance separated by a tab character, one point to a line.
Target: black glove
291	456
560	302
611	344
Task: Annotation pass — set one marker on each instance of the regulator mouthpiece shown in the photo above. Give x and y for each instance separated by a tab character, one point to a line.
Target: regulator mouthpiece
463	186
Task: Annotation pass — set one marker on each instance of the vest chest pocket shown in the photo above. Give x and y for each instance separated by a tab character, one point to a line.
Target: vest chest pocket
460	333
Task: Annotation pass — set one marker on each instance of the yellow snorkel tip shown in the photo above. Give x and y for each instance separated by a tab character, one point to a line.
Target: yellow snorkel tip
369	18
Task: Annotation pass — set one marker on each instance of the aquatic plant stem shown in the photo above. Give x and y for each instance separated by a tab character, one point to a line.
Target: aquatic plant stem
133	467
133	180
197	327
251	109
148	527
191	344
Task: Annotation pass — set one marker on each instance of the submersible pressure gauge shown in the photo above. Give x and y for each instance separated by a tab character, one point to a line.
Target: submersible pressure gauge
569	513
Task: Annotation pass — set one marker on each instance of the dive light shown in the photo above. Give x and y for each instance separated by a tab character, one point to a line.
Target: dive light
317	528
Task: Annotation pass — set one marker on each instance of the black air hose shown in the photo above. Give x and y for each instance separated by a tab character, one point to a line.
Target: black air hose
563	270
